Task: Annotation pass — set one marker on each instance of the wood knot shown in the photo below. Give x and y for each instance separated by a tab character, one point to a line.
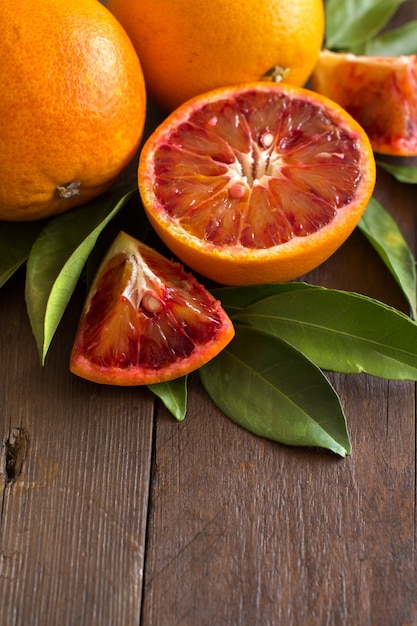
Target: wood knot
15	449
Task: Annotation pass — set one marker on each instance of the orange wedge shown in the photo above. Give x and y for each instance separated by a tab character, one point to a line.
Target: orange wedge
379	92
145	320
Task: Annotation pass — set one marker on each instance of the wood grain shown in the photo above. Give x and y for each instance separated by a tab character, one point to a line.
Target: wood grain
73	518
244	531
114	514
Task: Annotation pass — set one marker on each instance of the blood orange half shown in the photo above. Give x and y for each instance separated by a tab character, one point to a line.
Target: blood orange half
145	320
379	92
256	183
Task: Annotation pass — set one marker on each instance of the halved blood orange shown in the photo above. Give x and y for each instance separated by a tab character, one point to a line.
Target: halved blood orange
145	320
379	92
256	183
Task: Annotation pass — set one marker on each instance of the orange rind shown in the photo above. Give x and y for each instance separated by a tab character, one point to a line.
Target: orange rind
256	183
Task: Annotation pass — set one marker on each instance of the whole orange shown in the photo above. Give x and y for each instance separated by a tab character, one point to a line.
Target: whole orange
187	48
72	105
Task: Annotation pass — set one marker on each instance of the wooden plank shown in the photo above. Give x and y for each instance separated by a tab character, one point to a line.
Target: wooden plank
247	532
242	531
73	509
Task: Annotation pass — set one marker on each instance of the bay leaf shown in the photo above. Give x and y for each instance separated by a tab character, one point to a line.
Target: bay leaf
234	299
383	233
403	173
16	241
270	389
340	331
58	257
353	22
173	395
397	42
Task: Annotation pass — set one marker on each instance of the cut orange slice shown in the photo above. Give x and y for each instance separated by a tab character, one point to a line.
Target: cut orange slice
256	183
146	320
379	92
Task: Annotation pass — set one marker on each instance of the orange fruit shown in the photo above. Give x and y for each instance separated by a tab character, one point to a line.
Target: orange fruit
187	48
379	92
145	320
256	183
72	105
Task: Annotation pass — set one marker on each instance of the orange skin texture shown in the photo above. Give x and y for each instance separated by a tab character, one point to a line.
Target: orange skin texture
72	104
379	92
238	265
187	48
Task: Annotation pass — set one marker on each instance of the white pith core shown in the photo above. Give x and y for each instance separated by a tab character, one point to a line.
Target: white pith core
142	287
258	164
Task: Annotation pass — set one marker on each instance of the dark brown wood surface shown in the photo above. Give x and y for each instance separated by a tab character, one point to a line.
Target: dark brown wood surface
114	514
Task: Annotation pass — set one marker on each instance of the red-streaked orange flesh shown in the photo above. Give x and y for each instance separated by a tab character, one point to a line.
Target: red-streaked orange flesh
256	183
379	92
146	320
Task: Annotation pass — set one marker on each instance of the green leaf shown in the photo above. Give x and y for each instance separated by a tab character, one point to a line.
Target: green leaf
352	22
403	173
173	395
234	299
270	389
58	257
398	42
340	331
383	233
16	240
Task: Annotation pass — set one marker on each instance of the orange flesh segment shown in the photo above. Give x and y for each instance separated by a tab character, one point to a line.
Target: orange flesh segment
379	92
152	323
257	170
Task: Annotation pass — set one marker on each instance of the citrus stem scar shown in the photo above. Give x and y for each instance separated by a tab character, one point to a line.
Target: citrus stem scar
276	74
68	190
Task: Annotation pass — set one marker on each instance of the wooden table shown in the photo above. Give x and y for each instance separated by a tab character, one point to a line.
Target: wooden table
114	514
